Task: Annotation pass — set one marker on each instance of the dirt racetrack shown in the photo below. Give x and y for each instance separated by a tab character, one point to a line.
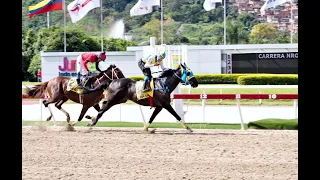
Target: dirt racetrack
128	153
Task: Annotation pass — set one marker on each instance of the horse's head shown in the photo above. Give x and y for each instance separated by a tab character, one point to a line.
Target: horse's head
110	74
187	76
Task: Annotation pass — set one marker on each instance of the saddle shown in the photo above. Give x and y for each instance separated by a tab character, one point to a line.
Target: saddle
72	85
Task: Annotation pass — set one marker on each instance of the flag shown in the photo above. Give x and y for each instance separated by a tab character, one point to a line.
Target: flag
79	8
143	7
45	6
210	4
272	3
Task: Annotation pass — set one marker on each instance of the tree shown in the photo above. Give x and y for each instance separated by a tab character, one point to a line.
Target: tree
152	28
248	20
34	66
295	38
263	33
114	44
217	34
236	32
53	39
27	53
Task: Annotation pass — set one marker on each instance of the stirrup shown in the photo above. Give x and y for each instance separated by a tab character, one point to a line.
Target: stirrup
145	90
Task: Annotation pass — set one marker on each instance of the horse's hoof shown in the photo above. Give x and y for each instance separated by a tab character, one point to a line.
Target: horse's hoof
49	118
90	125
70	127
150	132
189	130
73	124
88	117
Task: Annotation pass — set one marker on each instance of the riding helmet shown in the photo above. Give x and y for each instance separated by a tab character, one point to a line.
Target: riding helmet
102	56
163	54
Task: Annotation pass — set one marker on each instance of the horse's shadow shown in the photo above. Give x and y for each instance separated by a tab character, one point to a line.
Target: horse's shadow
166	132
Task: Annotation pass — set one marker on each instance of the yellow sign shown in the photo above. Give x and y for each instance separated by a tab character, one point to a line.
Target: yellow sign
175	60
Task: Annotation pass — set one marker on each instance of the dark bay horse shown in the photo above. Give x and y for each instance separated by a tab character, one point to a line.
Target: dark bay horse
124	89
56	89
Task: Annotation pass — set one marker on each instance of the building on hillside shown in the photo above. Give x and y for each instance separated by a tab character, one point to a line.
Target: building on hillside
280	15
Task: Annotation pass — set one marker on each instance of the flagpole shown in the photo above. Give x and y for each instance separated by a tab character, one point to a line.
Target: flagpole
64	25
291	35
161	4
224	24
48	19
101	19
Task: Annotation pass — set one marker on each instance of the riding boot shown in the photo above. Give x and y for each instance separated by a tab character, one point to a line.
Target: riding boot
79	84
145	87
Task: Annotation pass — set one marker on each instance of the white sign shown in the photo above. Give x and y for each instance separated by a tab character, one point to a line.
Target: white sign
278	55
229	64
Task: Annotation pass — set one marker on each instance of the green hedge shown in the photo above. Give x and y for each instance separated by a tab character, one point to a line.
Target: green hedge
268	79
243	79
209	78
218	78
290	124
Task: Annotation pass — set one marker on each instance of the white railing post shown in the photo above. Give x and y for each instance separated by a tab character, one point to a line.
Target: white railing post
54	119
40	103
204	110
260	100
220	93
188	100
295	106
120	111
144	121
204	97
238	104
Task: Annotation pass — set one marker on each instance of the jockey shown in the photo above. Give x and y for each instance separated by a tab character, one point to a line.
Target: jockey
82	63
150	61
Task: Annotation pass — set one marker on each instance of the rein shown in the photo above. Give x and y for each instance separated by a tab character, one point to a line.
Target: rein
105	74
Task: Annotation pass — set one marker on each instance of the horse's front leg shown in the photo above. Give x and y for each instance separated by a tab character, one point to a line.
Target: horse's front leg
106	105
154	114
171	111
83	112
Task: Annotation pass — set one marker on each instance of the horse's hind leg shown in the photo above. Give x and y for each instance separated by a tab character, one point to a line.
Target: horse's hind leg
171	111
58	106
154	114
46	104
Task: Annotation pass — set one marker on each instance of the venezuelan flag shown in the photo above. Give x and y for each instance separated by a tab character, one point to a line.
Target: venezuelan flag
45	6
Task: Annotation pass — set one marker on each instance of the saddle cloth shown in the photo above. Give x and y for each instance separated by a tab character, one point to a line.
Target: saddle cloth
72	86
146	94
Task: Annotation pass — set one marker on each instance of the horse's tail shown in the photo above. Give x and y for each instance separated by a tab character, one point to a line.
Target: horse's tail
37	90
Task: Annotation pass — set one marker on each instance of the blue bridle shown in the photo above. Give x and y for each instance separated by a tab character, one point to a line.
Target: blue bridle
187	74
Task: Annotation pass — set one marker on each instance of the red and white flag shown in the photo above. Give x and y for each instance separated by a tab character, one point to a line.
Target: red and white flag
79	8
143	7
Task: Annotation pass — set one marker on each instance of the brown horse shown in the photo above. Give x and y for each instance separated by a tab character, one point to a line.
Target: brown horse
56	90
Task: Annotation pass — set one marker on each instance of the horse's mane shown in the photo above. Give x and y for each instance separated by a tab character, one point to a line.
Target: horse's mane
168	72
101	73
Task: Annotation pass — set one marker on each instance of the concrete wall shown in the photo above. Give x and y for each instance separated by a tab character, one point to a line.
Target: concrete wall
201	59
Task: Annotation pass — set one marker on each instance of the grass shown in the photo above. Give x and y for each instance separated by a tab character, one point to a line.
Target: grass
271	123
266	102
140	125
